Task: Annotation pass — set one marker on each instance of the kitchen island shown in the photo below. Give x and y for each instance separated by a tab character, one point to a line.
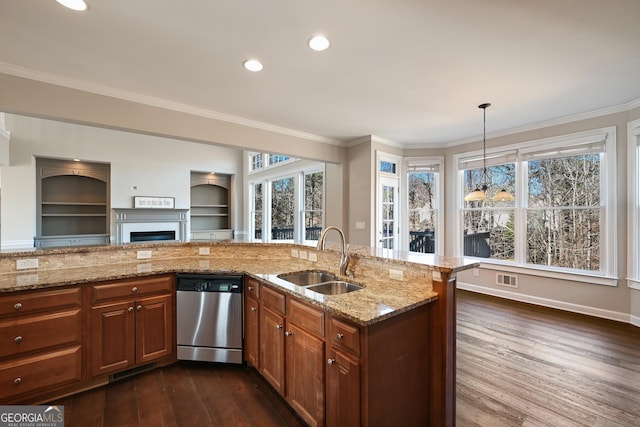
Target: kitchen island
417	309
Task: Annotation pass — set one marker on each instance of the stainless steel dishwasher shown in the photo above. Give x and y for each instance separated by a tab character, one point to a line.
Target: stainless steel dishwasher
209	317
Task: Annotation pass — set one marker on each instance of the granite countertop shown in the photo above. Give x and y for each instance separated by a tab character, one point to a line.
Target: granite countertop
380	298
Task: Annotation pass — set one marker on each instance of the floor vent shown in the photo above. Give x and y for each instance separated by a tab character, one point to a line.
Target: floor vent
131	372
506	280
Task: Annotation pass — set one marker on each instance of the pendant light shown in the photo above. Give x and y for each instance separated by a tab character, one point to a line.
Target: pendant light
480	192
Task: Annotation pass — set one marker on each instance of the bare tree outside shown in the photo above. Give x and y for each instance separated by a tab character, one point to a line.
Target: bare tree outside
282	208
313	204
422	211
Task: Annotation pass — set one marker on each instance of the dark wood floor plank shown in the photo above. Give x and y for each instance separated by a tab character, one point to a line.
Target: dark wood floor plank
121	406
154	406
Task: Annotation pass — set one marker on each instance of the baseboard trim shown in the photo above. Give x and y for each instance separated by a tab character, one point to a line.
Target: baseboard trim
546	302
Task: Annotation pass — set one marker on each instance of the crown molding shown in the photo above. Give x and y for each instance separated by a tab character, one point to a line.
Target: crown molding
548	123
31	74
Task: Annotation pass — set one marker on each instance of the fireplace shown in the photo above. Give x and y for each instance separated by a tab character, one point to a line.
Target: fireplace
145	225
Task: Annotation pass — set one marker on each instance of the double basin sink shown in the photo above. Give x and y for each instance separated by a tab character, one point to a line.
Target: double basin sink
321	282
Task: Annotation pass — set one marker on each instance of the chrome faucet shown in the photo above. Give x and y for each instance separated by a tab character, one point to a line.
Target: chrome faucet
344	258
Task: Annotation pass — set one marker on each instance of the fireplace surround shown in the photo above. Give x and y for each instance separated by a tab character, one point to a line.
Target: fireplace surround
150	225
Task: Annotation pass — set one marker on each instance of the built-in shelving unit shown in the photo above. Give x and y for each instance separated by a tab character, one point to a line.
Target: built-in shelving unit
210	206
72	203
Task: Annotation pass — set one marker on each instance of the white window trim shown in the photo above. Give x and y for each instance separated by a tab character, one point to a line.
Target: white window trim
608	274
386	157
633	188
296	172
404	185
265	162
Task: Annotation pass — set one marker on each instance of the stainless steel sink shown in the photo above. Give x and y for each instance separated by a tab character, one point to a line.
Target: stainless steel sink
334	287
306	278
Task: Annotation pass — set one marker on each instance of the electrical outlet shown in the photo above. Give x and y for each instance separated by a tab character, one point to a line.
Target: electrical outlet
303	254
396	274
143	254
313	257
476	272
203	251
25	264
294	253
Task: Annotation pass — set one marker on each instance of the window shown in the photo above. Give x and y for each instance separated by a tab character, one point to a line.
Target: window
277	158
633	261
256	162
313	205
287	202
282	209
558	220
423	189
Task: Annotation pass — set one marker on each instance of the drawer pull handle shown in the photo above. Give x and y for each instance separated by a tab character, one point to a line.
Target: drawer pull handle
134	289
254	309
288	334
331	361
278	327
130	309
139	308
17	305
339	336
17	381
18	339
250	288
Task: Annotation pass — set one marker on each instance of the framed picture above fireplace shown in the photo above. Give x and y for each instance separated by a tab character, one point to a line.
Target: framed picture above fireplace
146	202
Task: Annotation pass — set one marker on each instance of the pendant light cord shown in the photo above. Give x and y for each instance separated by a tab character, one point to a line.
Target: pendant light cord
484	146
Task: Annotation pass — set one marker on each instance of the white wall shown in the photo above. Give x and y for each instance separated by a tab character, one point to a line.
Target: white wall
156	166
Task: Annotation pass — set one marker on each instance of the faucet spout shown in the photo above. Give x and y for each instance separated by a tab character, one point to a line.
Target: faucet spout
344	258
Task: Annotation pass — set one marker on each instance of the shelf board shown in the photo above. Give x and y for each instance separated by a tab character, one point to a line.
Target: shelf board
71	215
205	215
209	206
73	204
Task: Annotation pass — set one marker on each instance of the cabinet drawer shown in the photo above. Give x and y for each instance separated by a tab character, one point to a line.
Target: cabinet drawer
29	302
272	299
252	288
129	288
345	335
27	333
40	371
306	316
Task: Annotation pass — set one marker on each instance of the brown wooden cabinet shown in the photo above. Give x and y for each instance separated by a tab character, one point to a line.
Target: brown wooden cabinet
252	322
132	323
272	345
343	390
40	342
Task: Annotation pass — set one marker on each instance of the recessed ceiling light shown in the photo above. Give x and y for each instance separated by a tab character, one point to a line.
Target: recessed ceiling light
78	5
319	43
252	65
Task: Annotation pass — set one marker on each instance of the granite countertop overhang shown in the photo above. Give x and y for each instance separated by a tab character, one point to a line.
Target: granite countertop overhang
380	299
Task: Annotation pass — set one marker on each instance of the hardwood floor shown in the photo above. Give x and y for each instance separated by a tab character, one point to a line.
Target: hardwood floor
523	365
518	365
183	394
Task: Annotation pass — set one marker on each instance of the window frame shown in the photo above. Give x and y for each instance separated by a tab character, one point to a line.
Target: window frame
607	275
633	188
407	164
296	169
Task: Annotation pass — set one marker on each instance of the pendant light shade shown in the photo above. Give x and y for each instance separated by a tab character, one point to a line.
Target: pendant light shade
503	196
476	195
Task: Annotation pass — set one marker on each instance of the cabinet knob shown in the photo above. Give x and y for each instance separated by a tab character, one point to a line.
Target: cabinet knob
339	336
17	381
254	309
250	288
331	361
18	339
278	327
17	305
139	308
134	289
130	309
288	334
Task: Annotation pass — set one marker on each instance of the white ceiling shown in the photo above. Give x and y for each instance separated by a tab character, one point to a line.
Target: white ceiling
409	71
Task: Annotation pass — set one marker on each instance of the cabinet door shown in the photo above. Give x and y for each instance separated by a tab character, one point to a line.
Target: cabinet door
343	391
251	333
112	337
154	328
305	374
272	348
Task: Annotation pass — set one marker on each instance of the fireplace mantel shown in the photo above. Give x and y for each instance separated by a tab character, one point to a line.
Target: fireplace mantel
139	219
